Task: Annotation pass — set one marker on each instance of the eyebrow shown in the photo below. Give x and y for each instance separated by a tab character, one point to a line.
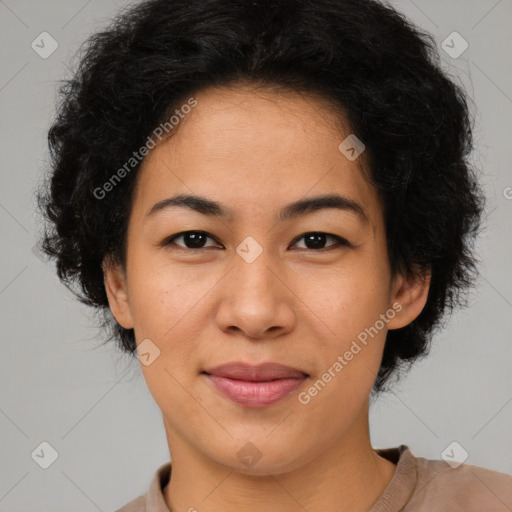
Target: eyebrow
212	208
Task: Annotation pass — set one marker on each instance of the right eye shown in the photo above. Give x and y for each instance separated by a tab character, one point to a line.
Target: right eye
191	239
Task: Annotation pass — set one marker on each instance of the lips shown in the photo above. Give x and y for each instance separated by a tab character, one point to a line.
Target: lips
255	386
262	372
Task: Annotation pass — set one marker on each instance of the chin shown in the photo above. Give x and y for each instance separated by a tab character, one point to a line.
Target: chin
253	461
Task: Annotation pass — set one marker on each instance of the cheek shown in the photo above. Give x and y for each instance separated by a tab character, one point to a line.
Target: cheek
165	300
349	302
167	310
346	300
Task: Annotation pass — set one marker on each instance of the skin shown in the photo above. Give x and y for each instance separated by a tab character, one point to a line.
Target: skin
255	152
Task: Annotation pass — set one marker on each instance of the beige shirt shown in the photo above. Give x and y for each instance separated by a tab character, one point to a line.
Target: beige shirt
418	485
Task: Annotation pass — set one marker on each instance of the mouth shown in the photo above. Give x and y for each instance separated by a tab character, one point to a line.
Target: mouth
255	386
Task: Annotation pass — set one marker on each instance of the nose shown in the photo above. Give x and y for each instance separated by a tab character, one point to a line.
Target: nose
256	300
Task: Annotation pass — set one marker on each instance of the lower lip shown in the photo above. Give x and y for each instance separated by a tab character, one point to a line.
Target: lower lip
255	394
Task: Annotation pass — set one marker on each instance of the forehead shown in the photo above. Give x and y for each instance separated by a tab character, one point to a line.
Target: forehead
255	150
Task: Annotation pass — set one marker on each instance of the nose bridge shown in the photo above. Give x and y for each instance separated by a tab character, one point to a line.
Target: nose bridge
255	299
252	273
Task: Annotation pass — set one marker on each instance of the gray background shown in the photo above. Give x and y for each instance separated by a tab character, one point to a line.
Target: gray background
58	384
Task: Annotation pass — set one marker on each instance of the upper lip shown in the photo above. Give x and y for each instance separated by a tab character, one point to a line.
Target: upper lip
263	371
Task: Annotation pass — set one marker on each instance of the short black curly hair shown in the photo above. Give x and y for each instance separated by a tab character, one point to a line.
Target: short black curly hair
379	71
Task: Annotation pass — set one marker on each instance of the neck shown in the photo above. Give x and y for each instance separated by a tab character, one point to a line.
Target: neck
347	476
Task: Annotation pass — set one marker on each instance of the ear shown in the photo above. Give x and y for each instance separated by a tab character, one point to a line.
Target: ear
411	292
114	279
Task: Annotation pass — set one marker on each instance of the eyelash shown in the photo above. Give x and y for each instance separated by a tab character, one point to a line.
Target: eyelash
341	242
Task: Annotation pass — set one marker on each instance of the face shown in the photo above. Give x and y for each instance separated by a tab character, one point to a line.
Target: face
263	282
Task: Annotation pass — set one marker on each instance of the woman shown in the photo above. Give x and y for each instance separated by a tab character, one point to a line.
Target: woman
271	203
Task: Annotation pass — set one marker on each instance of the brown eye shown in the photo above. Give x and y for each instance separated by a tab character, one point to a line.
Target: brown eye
191	239
317	240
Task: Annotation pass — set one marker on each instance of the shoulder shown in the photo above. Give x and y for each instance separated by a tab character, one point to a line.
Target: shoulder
424	485
136	505
463	487
153	500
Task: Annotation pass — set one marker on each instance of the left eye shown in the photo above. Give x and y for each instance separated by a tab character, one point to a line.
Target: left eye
314	240
317	240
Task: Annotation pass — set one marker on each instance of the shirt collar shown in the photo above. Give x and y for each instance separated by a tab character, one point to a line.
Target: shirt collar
395	496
